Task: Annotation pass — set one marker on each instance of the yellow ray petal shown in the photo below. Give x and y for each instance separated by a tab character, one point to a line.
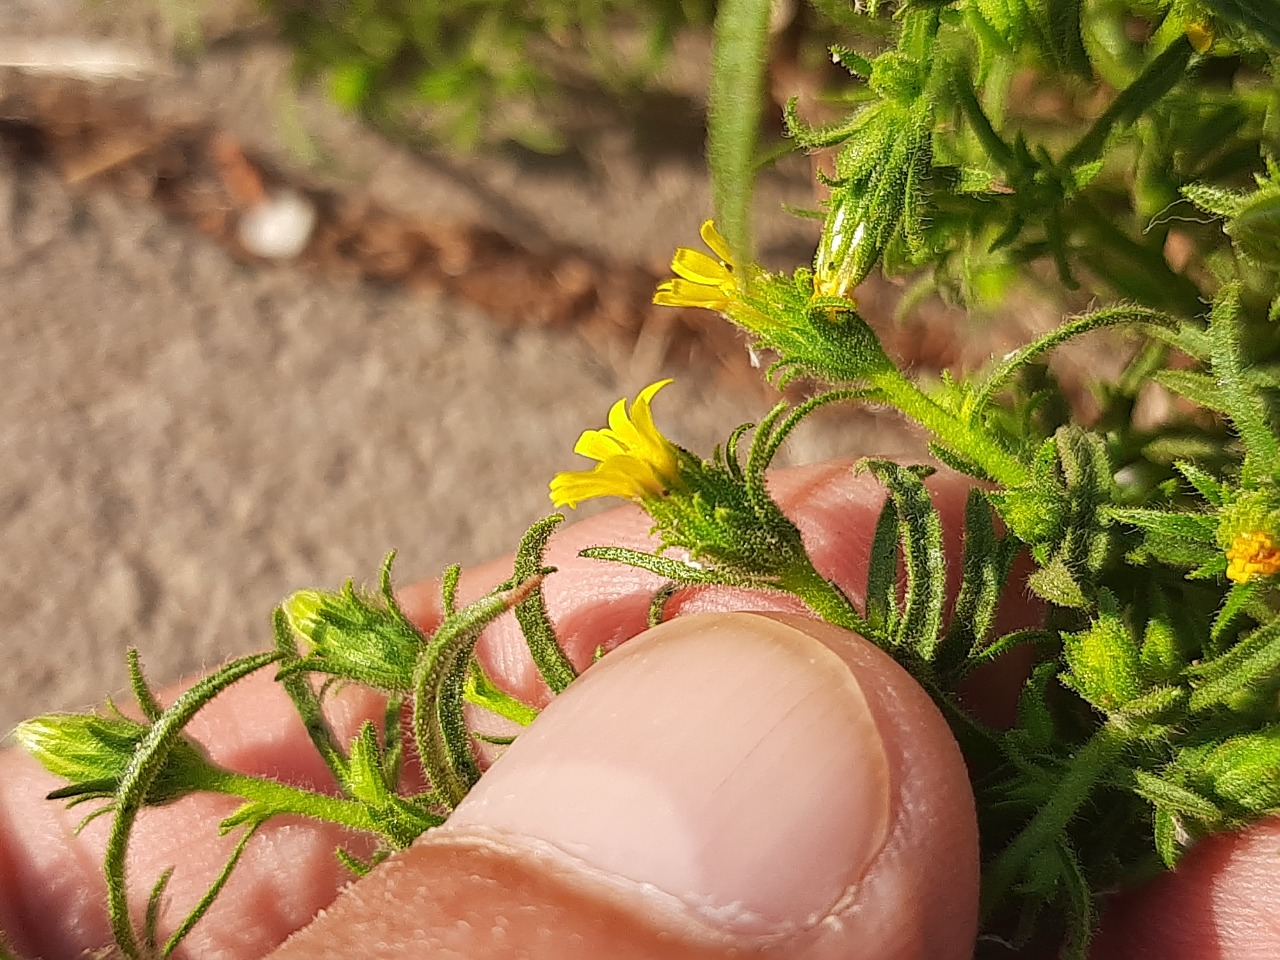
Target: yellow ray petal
682	293
598	445
712	238
699	268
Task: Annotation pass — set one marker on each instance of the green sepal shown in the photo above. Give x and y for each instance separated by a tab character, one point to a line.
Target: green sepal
354	636
1162	658
1245	772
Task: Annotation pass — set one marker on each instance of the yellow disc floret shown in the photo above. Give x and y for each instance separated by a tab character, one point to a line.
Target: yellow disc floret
1252	554
636	462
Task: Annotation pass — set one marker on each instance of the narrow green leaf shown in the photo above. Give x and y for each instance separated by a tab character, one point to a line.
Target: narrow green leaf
1010	641
1245	406
1253	660
353	863
920	533
1170	796
1199	388
531	612
305	699
1065	37
882	573
1168	836
1238	600
1111	317
147	701
1158	77
1196	527
676	571
449	588
1262	16
211	894
149	761
1207	485
439	726
483	692
1082	915
151	920
658	605
985	564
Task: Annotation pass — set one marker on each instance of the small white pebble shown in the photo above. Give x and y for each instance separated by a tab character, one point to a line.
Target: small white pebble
280	227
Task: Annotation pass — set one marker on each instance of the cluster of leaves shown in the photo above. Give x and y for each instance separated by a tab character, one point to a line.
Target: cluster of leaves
478	71
1138	730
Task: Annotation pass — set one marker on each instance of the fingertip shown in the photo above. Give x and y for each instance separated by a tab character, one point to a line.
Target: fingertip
1221	903
723	785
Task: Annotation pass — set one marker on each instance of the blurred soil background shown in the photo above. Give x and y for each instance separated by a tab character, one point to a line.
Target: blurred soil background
189	431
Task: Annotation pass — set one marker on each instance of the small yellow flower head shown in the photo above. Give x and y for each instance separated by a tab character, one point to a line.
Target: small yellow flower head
636	461
701	281
1252	554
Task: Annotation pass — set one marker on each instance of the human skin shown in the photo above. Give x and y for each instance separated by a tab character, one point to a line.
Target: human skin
728	786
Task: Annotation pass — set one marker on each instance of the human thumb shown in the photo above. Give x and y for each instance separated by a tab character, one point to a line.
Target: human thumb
723	785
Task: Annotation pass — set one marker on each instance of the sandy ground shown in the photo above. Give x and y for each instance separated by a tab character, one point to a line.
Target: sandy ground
185	440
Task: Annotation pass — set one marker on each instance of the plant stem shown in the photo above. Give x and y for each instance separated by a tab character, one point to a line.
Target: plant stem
1157	79
283	798
1083	772
1000	465
824	598
147	762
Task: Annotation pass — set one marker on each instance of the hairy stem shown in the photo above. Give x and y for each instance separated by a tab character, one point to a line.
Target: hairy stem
999	463
283	798
1083	773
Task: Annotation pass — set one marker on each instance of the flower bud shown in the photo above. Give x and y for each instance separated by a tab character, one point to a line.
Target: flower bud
302	611
92	752
354	637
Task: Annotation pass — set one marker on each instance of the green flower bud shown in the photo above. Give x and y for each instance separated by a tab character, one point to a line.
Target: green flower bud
354	637
92	752
1103	660
1245	771
302	610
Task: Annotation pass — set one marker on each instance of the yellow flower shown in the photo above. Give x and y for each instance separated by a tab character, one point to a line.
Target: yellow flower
1250	555
1201	36
700	280
636	461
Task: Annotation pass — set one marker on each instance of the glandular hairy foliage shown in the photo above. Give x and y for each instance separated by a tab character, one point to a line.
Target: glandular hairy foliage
984	141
